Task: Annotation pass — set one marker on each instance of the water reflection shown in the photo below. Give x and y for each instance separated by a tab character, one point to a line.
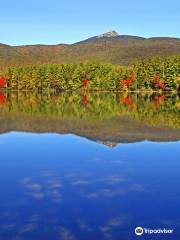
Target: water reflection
98	193
104	117
65	187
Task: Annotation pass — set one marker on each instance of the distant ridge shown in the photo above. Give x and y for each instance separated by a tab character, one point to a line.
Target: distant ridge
107	47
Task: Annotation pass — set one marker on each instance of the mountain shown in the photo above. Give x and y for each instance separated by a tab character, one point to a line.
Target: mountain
111	36
107	47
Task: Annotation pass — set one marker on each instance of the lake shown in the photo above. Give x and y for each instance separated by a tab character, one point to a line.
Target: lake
89	166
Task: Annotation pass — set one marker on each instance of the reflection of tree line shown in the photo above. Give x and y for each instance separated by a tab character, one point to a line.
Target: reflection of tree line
153	109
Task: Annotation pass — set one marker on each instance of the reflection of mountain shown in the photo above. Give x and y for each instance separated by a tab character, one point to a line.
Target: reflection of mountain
115	130
106	118
109	144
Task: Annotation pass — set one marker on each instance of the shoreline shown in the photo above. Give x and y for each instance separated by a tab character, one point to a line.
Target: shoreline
91	90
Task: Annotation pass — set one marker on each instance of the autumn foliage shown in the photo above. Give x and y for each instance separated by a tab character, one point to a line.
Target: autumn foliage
160	84
152	75
85	82
127	82
2	81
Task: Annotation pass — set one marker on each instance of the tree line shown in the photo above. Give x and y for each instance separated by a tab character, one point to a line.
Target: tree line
153	74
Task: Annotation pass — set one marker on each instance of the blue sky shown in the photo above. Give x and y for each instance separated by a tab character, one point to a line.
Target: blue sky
56	21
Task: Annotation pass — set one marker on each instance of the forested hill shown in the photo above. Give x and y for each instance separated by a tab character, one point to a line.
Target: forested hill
109	47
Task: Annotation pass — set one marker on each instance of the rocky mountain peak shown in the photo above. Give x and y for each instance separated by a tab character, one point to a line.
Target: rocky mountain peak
109	34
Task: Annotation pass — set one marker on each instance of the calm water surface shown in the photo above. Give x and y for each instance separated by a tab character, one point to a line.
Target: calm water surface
101	185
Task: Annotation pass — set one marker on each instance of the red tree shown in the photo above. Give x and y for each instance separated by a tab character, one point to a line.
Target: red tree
160	84
128	81
85	82
2	81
